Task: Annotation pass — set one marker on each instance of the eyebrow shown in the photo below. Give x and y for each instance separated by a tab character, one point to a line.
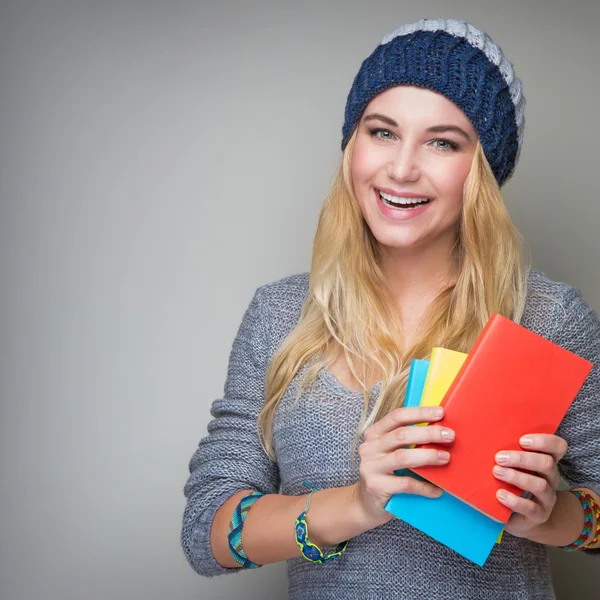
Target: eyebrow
434	129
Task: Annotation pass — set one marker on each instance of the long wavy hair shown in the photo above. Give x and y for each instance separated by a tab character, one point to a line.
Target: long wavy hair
349	310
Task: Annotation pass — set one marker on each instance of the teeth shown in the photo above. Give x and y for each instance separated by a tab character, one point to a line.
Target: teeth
401	200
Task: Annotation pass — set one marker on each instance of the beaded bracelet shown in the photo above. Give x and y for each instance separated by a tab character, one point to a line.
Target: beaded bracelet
309	550
234	534
596	508
586	502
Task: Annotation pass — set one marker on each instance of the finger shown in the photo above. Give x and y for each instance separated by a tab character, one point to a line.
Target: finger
406	484
538	486
404	436
528	508
407	458
545	443
400	417
530	461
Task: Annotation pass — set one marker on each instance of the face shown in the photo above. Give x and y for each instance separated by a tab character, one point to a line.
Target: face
413	151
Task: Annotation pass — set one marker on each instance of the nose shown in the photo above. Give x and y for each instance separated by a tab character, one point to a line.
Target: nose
404	165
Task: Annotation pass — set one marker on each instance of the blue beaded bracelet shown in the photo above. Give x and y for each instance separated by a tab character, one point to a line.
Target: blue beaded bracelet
309	550
234	534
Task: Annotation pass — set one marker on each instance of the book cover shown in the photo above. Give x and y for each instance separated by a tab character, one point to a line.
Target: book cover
417	377
446	519
449	521
443	368
513	382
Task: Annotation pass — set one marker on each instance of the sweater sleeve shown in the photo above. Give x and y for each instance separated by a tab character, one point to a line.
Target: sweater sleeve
230	459
580	333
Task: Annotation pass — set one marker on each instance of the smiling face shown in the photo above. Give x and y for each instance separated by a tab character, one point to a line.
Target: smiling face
412	145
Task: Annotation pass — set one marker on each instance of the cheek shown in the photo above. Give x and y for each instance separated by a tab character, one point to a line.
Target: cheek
362	164
453	178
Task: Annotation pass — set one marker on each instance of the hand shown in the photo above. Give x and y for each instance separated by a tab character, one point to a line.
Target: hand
541	457
382	452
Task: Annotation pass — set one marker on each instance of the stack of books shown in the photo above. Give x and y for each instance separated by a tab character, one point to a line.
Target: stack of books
513	382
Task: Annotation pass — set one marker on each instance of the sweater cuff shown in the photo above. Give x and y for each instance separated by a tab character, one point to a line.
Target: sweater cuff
198	550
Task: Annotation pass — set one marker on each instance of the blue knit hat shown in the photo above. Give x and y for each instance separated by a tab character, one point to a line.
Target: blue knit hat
459	61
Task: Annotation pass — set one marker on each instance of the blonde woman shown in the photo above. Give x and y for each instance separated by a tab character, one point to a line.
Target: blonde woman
414	249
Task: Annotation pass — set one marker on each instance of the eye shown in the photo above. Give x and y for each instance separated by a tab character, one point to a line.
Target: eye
377	130
447	145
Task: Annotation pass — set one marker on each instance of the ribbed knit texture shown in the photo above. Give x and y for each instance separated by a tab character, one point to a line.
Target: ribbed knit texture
459	61
312	441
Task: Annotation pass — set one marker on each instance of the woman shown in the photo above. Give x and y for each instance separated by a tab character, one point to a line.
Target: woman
414	249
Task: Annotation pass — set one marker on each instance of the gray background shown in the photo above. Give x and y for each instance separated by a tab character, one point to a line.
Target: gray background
161	160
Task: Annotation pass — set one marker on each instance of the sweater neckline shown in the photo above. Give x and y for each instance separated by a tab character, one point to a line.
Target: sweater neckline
334	382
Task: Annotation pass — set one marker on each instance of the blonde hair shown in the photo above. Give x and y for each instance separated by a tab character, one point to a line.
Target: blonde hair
349	310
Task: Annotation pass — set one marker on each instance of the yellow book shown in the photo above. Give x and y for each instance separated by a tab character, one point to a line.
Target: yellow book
444	366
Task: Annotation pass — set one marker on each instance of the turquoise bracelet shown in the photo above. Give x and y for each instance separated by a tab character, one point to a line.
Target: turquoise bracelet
311	551
234	534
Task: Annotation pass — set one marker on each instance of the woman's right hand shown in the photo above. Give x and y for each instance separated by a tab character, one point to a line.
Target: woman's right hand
383	452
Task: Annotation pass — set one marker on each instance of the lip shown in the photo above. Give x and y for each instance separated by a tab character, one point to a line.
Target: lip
402	194
400	215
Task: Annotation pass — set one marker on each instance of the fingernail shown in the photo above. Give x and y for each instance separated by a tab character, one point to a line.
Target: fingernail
447	434
502	494
438	411
526	441
502	457
500	471
443	455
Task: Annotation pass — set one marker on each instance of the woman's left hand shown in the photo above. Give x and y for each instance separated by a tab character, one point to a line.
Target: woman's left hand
540	457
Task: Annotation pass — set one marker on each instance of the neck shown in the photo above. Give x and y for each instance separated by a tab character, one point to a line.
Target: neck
415	276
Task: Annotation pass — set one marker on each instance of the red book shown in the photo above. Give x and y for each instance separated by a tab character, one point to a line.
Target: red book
513	382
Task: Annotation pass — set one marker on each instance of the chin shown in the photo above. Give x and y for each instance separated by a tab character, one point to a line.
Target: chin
392	243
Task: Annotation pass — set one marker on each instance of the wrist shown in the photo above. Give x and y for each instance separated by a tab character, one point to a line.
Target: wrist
564	523
363	517
336	515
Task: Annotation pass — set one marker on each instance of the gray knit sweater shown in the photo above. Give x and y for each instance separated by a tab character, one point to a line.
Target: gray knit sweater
312	441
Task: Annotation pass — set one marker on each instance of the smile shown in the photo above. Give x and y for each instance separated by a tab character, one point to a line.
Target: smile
403	202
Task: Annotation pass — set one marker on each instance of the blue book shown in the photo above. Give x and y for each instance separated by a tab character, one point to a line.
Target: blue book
416	382
446	519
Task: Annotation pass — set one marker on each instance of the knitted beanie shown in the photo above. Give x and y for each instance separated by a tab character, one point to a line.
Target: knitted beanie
459	61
